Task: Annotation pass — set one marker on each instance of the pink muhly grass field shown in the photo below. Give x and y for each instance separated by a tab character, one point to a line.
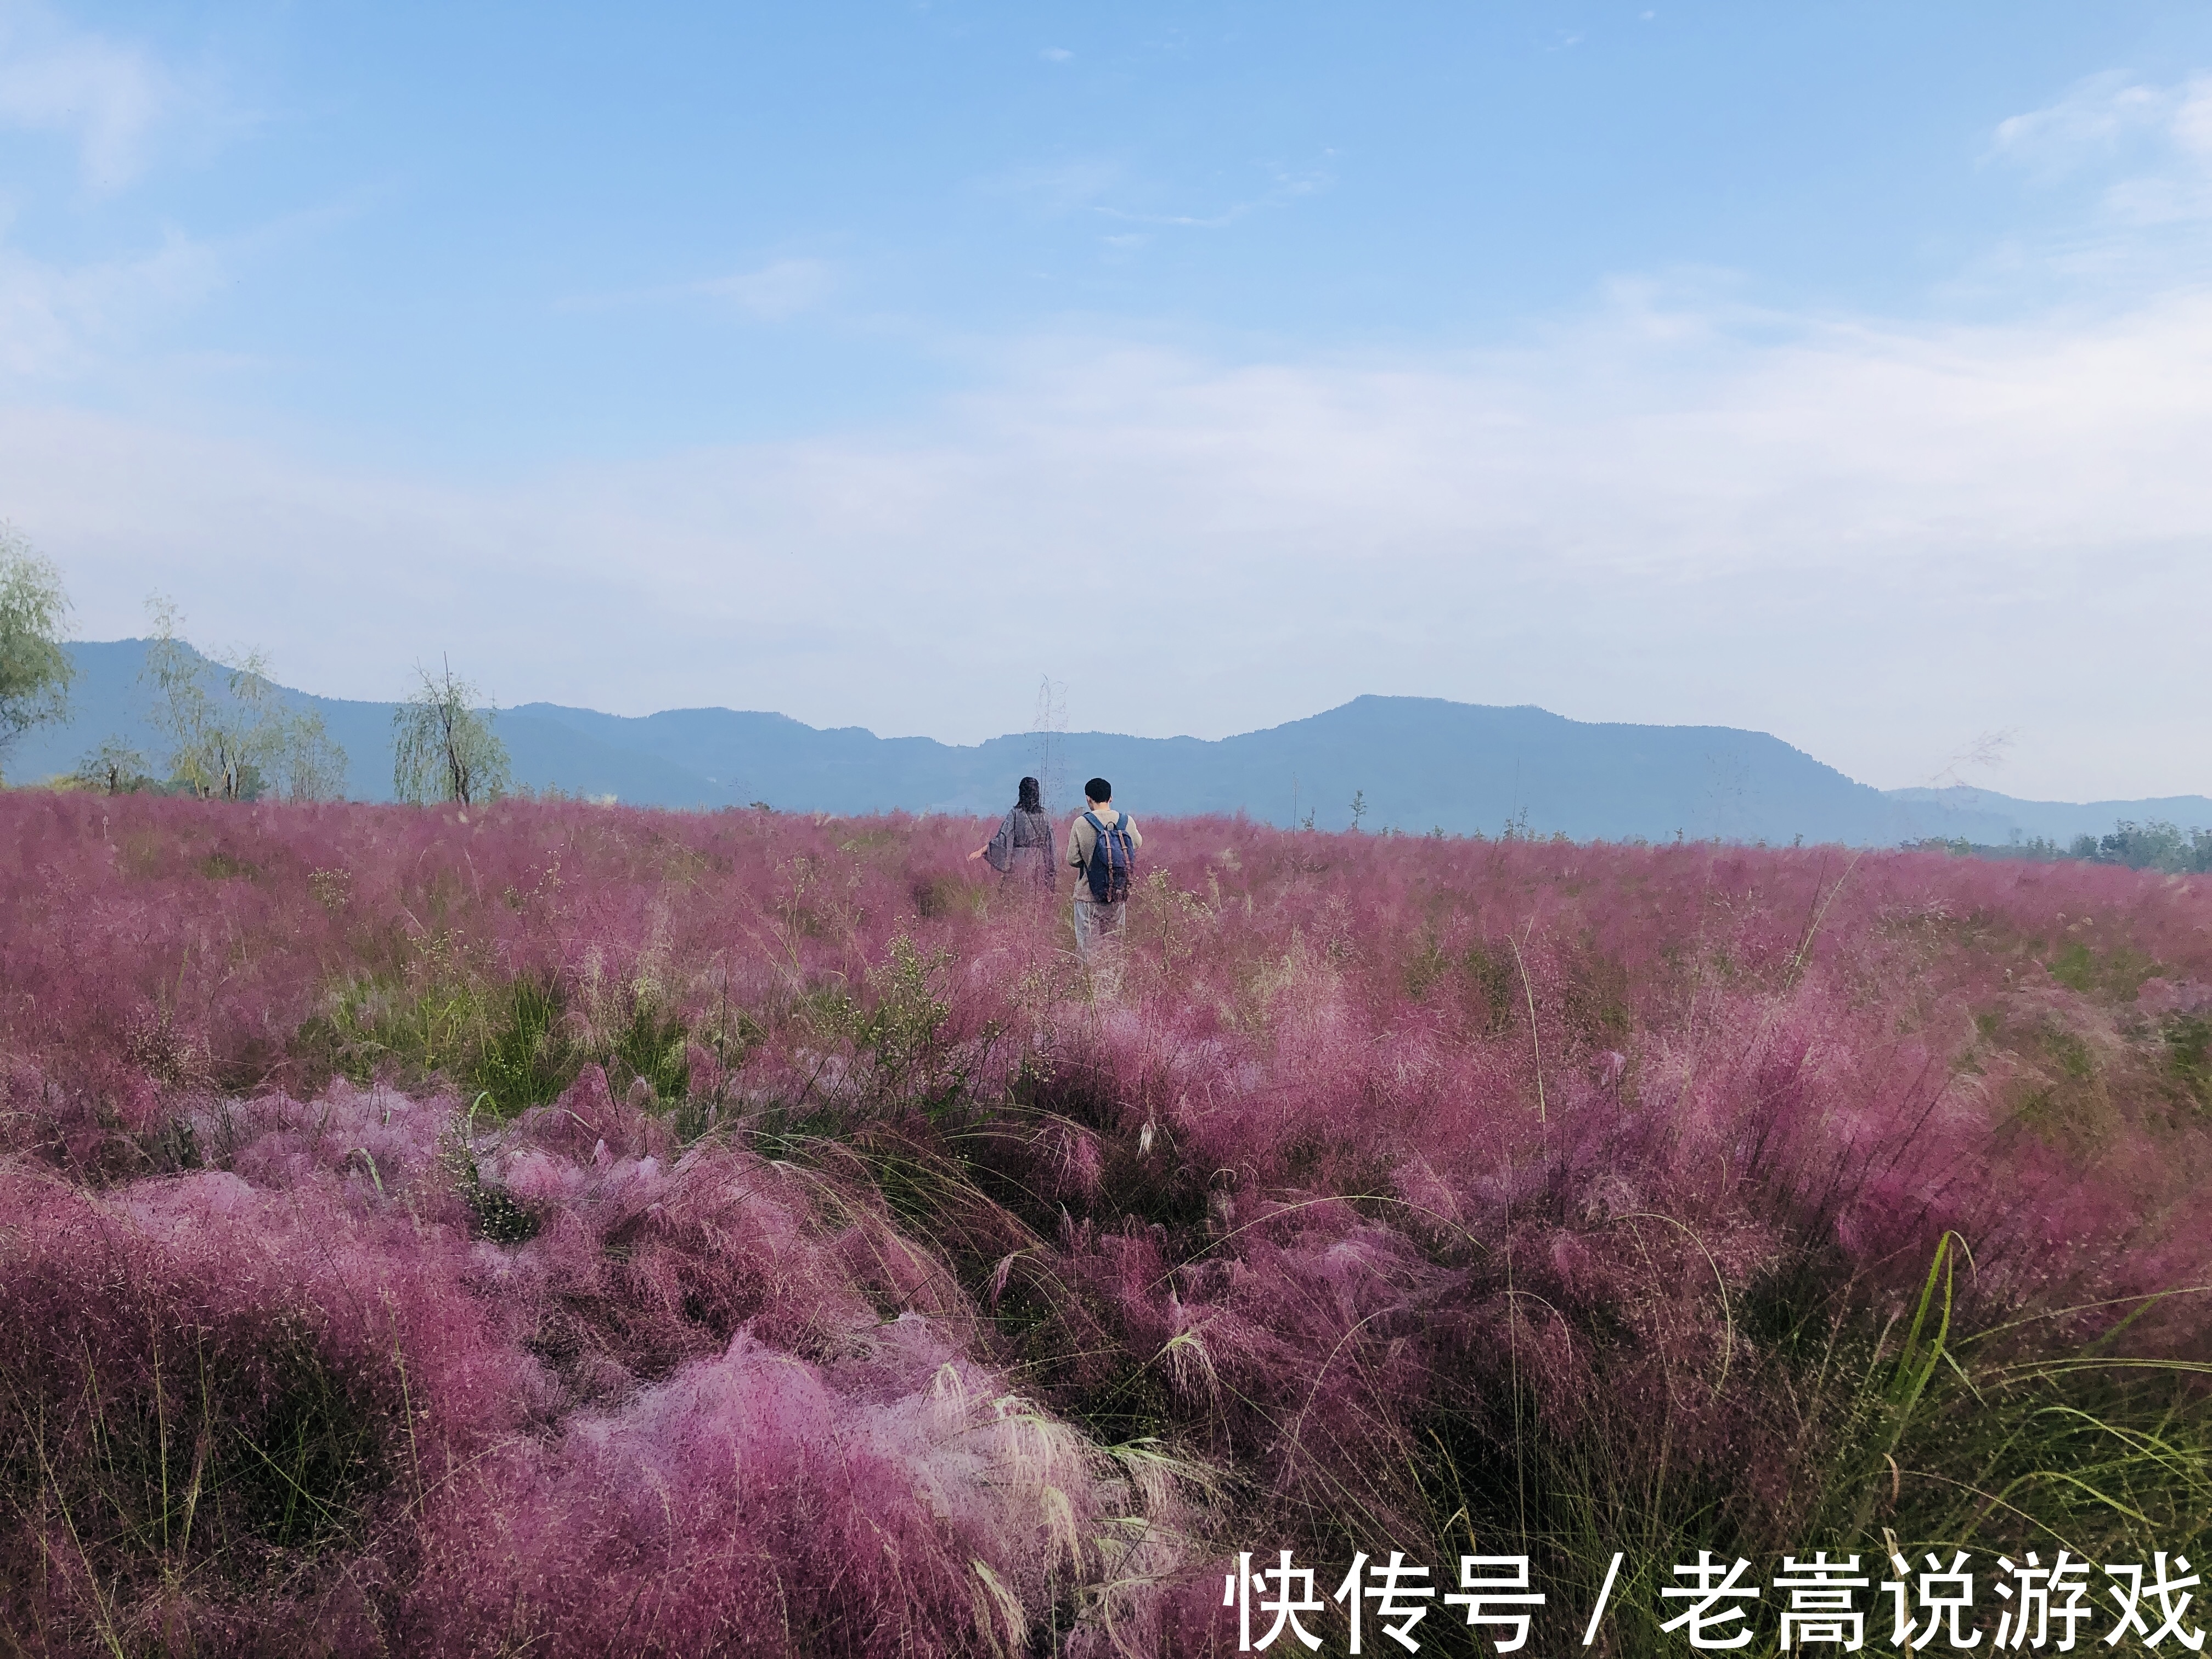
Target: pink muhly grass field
567	1230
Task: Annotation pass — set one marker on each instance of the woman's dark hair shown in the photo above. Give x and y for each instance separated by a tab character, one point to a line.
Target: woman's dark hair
1031	801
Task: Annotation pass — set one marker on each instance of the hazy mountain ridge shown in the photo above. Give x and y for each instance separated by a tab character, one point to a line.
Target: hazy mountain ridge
1419	762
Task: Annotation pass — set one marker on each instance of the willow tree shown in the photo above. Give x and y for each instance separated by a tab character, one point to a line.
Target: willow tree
232	734
443	747
34	670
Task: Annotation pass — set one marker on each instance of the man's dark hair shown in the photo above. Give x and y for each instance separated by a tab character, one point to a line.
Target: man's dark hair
1099	790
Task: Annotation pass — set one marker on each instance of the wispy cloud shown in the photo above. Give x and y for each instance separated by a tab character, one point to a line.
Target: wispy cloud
1114	190
1284	185
782	289
1226	217
2153	144
1666	509
771	293
2091	123
1056	55
1057	187
106	95
57	320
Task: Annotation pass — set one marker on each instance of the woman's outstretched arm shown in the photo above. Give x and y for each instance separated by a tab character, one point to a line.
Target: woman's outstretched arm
1000	849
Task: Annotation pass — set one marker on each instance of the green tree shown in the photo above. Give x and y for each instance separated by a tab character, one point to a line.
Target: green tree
443	746
231	736
2154	846
115	767
34	670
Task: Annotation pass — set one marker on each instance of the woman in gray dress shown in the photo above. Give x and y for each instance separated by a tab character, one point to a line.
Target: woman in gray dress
1022	850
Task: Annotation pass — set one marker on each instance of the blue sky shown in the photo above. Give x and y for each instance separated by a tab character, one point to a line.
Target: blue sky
1835	370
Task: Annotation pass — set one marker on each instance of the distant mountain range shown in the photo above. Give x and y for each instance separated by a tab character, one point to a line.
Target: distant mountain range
1416	764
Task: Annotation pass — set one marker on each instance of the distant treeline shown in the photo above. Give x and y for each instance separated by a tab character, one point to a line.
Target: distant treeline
2153	846
226	731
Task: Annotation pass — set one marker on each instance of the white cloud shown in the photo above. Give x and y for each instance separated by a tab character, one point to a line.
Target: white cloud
1876	541
1284	185
106	95
782	289
57	320
1057	187
2191	126
1111	190
779	289
1055	54
2151	144
2093	119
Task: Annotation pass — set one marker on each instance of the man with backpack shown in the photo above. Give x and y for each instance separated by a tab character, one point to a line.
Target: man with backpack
1101	844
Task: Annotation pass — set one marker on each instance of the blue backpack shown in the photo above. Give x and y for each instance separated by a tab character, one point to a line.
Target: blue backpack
1112	860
